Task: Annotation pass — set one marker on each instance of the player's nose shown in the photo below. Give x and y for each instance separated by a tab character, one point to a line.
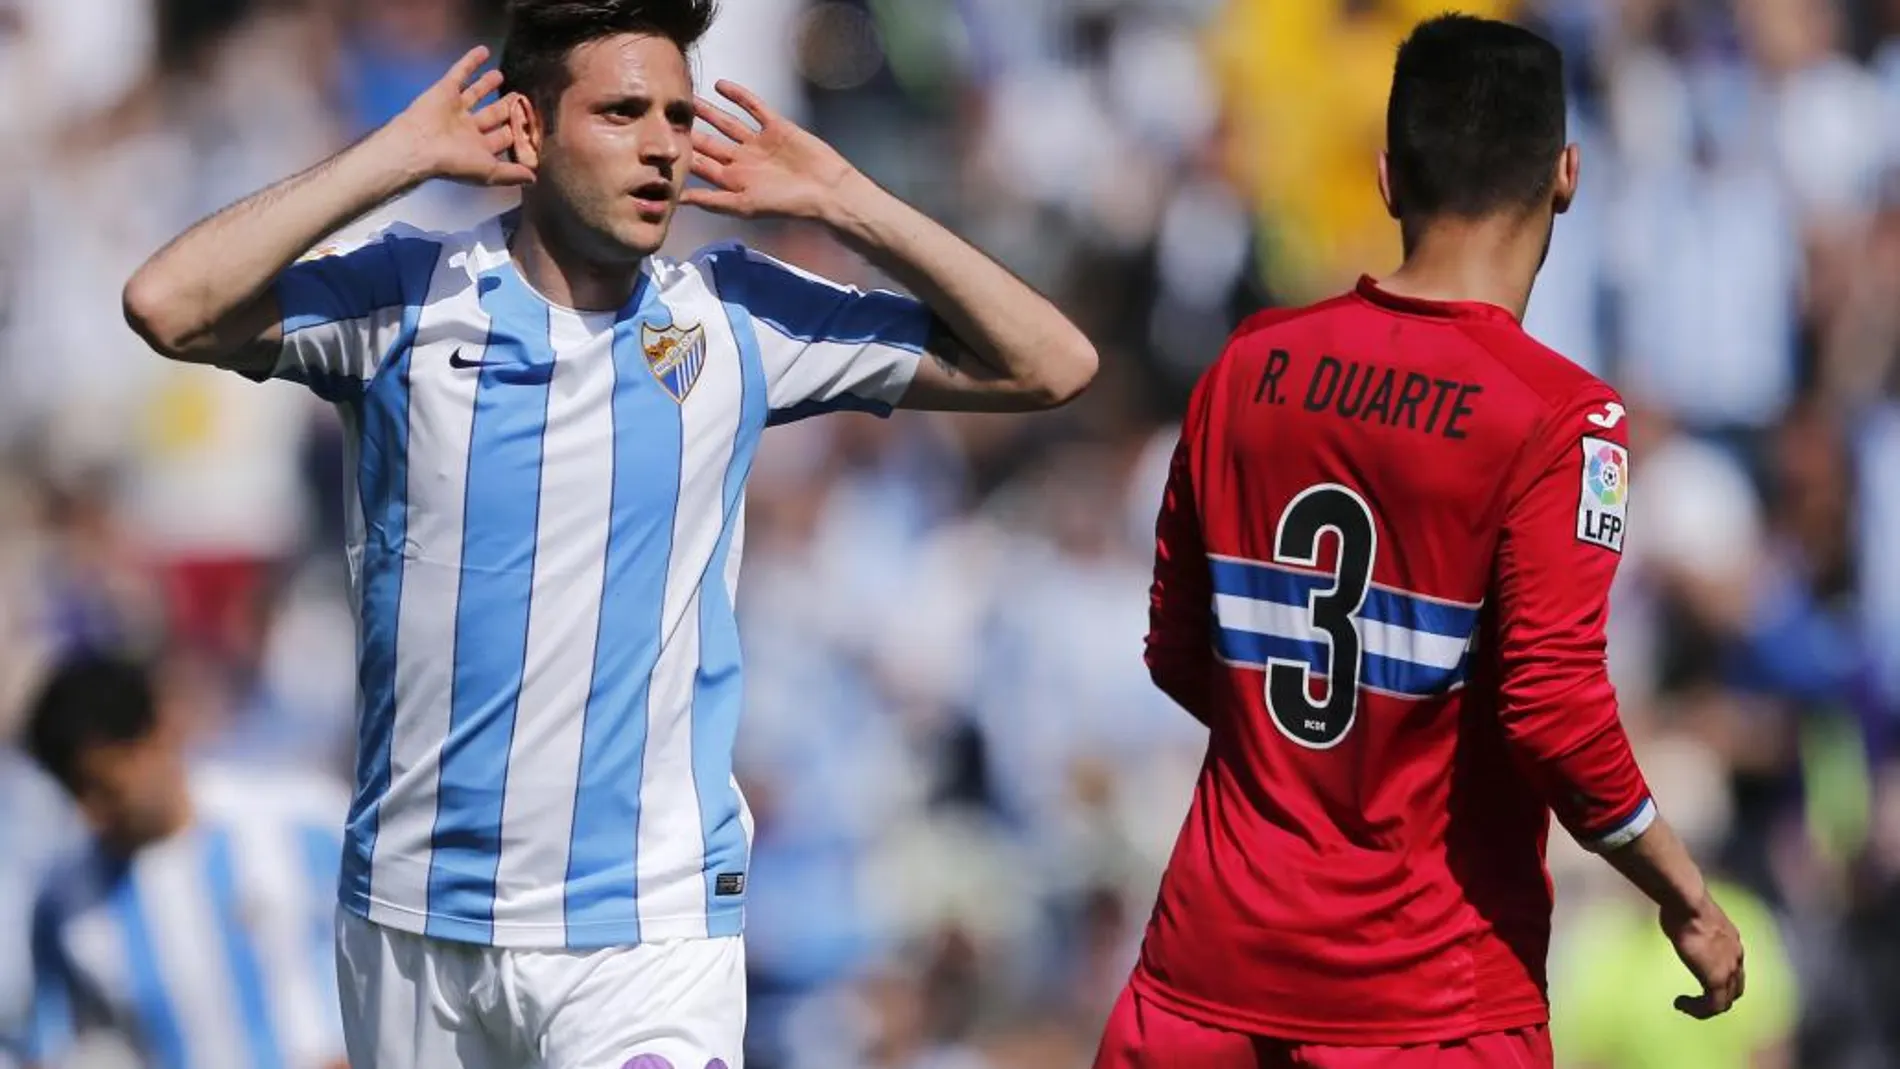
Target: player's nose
663	146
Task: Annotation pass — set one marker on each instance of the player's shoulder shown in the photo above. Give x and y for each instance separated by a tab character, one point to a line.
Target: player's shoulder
477	249
730	264
703	267
717	253
1269	323
1263	331
385	237
391	265
735	268
71	882
720	261
1553	381
728	254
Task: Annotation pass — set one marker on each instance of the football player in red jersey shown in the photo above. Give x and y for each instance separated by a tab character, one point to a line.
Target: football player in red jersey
1384	561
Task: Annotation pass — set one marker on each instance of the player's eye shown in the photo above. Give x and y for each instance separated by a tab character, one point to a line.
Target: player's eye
626	110
680	114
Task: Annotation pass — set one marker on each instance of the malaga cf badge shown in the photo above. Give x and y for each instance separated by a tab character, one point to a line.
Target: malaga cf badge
676	356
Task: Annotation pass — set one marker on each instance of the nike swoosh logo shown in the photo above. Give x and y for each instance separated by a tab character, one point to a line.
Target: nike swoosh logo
456	361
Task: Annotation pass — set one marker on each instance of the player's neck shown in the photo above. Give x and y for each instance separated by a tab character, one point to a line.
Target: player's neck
177	814
1486	261
566	276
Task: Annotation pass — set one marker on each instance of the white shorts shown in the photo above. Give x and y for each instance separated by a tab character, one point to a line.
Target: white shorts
412	1002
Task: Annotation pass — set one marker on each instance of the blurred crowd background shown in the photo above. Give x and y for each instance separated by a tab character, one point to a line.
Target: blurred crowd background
965	786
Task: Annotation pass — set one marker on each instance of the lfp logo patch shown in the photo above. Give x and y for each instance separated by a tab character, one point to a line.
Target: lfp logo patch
1602	511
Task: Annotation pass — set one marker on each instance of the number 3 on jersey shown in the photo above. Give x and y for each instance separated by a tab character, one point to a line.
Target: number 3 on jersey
1334	613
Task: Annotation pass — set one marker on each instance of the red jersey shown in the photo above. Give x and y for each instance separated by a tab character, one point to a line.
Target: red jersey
1382	578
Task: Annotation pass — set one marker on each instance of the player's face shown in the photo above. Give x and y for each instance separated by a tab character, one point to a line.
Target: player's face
128	791
617	152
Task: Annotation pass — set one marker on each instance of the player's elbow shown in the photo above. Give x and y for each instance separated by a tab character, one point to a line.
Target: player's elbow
153	309
1064	372
160	314
1184	678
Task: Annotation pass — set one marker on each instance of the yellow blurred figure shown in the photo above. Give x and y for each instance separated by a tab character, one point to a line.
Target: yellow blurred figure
1612	1000
1305	83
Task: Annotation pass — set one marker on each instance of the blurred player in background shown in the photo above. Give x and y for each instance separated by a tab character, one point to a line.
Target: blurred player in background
1384	561
194	926
546	857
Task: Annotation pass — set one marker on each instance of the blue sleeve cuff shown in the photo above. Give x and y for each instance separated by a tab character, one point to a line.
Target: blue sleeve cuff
1626	832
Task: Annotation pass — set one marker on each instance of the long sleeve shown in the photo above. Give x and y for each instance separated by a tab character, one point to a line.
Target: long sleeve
1561	542
1180	652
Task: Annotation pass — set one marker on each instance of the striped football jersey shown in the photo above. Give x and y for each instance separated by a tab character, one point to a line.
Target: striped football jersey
212	948
545	525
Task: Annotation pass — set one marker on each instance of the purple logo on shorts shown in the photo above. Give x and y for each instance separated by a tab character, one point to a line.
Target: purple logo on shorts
647	1061
716	1063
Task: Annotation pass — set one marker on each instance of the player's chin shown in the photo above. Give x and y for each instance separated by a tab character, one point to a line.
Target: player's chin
642	236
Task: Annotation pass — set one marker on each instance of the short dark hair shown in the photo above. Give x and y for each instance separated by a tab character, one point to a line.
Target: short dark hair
1476	119
543	33
90	699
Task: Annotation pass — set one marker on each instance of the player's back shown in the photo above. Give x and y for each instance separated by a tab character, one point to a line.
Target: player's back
1363	861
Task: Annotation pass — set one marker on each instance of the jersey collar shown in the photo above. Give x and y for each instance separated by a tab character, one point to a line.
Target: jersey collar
1476	311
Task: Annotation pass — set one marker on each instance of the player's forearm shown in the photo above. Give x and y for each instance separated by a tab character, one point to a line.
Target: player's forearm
206	294
1659	865
1008	333
1580	758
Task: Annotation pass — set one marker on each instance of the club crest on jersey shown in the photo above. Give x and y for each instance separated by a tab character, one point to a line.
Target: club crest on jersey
676	356
1602	508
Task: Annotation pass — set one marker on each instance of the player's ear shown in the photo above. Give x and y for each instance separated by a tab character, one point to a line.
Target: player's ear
1569	170
1385	185
524	123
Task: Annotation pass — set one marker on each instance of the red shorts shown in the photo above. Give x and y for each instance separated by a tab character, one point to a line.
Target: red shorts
1142	1035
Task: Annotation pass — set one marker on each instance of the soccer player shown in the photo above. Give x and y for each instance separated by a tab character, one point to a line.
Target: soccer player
545	860
196	925
1384	559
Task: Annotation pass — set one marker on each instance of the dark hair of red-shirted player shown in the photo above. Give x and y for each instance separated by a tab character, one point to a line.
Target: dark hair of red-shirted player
1476	167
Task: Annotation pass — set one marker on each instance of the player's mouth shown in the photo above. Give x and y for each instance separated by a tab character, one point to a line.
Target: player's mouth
653	200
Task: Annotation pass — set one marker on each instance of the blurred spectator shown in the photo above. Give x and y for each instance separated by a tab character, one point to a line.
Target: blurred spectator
396	49
207	464
1708	263
193	924
1879	493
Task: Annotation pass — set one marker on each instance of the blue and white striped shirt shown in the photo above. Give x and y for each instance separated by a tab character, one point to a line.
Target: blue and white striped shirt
213	948
545	529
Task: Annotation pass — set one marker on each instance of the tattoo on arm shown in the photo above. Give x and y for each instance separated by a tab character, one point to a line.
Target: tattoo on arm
953	356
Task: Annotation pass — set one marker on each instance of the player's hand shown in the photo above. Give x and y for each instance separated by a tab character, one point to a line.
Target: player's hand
1707	942
776	168
443	135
